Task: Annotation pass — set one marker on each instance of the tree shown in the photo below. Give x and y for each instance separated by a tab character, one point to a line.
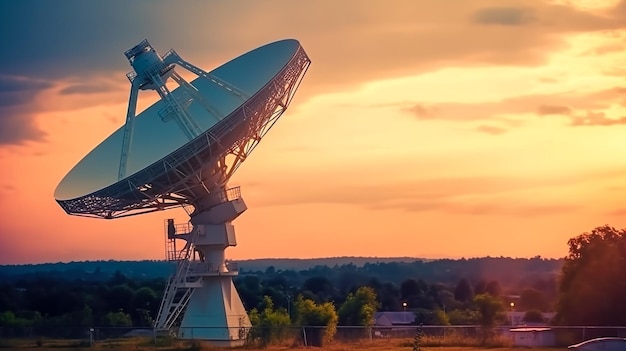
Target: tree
321	287
493	288
440	317
389	296
82	317
359	308
463	291
533	316
8	319
463	317
117	319
269	325
592	286
533	299
308	313
409	288
480	287
416	294
430	317
121	297
249	288
488	306
412	288
145	305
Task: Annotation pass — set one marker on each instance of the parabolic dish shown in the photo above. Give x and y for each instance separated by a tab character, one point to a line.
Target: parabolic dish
162	157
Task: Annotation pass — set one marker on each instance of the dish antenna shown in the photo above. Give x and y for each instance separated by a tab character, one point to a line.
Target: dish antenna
181	151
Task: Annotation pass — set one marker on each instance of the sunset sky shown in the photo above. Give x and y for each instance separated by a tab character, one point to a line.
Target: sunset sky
422	128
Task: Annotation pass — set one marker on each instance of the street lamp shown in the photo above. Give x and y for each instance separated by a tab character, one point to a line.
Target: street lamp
404	311
289	305
511	311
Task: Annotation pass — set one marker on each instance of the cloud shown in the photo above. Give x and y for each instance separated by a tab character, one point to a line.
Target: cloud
77	37
596	119
491	130
543	110
606	49
11	84
454	195
17	96
16	90
420	111
506	16
575	106
618	212
482	208
7	189
22	98
72	38
17	127
87	89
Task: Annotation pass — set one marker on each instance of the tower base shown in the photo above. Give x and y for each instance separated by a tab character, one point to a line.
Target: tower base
215	314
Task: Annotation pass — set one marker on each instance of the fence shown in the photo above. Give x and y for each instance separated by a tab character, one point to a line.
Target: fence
467	335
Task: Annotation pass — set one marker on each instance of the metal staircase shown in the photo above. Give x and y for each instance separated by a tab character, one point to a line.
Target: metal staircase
179	286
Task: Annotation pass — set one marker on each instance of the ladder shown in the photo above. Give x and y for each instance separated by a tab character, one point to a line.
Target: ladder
178	289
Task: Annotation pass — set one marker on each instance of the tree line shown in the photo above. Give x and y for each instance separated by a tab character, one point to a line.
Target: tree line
586	288
120	301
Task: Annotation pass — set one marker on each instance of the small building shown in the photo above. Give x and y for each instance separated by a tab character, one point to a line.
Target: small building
517	318
390	319
533	336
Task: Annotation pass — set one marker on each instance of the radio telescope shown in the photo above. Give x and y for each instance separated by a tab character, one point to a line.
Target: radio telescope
181	151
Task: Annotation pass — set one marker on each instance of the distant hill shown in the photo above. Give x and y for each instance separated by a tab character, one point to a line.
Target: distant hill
99	270
89	270
510	272
297	264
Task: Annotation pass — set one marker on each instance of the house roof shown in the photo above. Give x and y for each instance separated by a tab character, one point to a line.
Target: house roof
394	318
529	329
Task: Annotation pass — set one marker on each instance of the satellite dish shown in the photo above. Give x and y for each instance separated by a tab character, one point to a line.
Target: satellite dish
181	151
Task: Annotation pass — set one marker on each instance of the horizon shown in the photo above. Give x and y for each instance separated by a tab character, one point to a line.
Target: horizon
299	259
426	129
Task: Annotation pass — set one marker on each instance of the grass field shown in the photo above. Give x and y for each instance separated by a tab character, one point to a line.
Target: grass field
176	345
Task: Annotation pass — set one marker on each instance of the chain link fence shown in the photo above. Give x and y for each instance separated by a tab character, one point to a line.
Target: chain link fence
469	335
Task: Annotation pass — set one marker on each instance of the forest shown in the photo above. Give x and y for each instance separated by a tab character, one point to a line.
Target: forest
584	288
88	293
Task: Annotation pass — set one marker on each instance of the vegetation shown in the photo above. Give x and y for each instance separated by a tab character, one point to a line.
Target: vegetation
66	308
592	287
359	308
320	319
488	307
440	292
426	344
269	325
60	303
533	316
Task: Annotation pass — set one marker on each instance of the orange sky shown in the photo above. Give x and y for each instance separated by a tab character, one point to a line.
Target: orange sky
427	129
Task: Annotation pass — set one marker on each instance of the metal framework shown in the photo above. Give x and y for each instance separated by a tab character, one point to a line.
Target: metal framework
187	175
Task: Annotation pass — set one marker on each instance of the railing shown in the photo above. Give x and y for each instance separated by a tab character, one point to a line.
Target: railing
233	193
209	267
222	196
157	68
